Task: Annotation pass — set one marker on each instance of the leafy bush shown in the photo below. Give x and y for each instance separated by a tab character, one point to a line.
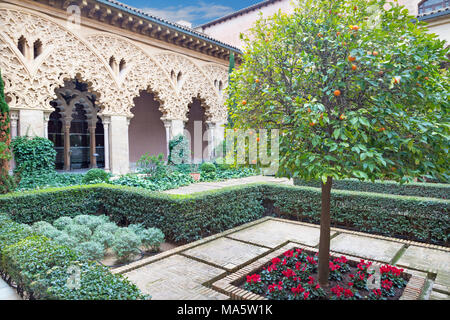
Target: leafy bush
8	183
90	250
106	239
151	238
79	232
96	283
126	244
419	189
41	268
96	176
108	227
31	257
62	223
33	155
66	240
179	150
191	217
152	165
207	167
90	221
51	179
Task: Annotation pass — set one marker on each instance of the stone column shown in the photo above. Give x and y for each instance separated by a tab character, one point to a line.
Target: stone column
120	162
46	120
92	147
106	122
211	127
167	126
177	127
66	128
13	119
31	123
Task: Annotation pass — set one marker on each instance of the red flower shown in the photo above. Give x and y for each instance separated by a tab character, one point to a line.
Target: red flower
289	254
306	295
276	260
288	273
254	278
350	284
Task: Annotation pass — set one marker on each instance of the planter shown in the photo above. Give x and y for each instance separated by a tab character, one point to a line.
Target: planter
195	176
236	285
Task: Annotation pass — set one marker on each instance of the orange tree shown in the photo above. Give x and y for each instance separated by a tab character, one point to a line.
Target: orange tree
356	91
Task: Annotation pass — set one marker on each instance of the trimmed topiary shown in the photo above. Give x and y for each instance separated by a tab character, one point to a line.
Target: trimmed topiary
151	238
104	238
90	250
79	232
62	223
96	176
126	244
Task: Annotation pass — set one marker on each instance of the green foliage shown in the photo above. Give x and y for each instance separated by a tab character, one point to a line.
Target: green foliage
152	165
96	176
207	167
91	221
419	189
90	250
27	259
96	283
8	183
79	232
106	239
151	238
33	155
179	150
62	223
50	179
355	90
42	268
192	217
45	229
4	108
126	244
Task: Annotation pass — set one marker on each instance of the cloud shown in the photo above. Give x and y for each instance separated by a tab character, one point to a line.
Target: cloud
192	13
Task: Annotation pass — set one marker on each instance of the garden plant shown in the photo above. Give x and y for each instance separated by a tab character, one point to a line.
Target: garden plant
357	91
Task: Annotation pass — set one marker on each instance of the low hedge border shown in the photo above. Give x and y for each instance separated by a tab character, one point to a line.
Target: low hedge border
419	189
39	269
186	218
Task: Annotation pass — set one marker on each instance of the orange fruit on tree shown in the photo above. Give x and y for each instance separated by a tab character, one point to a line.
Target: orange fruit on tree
375	53
342	117
257	139
257	80
338	33
309	109
351	59
319	35
418	67
312	123
355	28
354	67
426	78
380	72
337	93
244	102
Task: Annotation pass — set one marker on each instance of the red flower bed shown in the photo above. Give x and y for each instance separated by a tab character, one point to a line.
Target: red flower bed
293	276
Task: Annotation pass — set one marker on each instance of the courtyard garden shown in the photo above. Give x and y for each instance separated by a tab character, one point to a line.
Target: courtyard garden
362	106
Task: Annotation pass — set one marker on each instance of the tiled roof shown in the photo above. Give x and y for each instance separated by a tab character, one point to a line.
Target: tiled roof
434	14
172	25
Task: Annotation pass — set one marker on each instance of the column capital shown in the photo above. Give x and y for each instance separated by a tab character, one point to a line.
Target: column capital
14	115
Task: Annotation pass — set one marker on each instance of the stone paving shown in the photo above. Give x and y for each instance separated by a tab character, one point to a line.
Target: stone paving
187	272
205	186
7	293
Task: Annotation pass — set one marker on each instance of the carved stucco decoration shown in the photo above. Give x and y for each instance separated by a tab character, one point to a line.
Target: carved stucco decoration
65	56
32	83
141	73
193	83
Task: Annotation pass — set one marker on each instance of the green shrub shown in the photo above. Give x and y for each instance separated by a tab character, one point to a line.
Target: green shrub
29	259
126	244
106	239
62	223
108	227
78	231
8	183
66	240
419	189
90	221
207	167
96	283
191	217
96	176
151	238
40	267
152	165
90	250
33	155
41	180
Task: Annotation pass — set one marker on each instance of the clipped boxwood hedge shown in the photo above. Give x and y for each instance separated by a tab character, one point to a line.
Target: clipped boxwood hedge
39	268
419	189
190	217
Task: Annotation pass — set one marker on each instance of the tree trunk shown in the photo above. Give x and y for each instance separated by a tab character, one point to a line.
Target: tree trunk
324	244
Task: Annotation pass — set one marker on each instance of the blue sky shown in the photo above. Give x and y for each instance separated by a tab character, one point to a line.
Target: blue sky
194	11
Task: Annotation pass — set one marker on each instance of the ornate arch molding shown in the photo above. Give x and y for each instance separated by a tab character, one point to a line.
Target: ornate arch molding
142	73
67	57
193	83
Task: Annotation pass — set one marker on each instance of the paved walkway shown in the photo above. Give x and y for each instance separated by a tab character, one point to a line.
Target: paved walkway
7	293
187	272
204	186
